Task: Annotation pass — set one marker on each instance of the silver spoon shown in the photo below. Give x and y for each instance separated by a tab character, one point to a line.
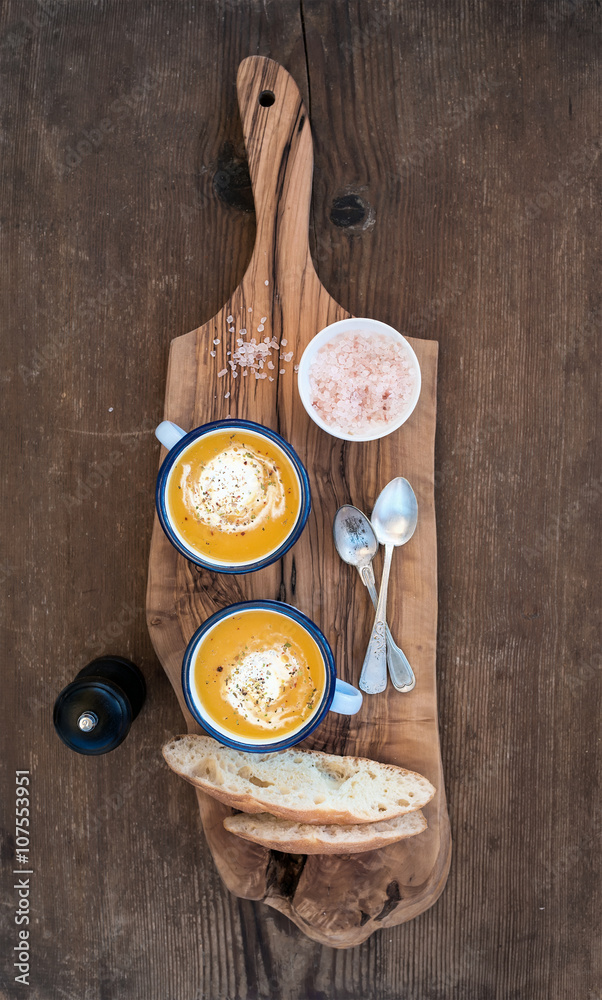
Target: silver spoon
394	521
356	543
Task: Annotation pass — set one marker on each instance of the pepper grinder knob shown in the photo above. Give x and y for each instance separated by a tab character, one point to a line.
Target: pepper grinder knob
93	714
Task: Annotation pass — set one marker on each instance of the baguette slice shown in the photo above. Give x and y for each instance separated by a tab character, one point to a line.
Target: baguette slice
303	785
328	838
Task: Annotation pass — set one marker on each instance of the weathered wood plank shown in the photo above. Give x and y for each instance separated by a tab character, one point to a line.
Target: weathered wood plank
450	122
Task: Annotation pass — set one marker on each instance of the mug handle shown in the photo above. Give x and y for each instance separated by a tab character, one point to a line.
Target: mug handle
169	434
347	699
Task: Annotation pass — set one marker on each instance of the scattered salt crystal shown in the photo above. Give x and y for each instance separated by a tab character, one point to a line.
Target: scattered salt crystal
216	341
271	365
229	319
222	373
282	371
266	282
110	409
263	319
226	395
284	343
230	329
296	368
250	309
234	374
228	352
212	354
245	372
260	329
270	378
288	356
242	332
274	343
239	342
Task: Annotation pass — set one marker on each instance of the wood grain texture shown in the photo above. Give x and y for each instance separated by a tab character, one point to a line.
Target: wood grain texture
438	127
335	901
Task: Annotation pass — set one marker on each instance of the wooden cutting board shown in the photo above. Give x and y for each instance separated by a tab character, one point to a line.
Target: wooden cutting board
336	900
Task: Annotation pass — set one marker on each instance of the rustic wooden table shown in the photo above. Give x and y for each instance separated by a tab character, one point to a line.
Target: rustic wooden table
456	196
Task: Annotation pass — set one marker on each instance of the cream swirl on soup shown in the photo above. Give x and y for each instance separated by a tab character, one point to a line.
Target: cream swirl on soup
259	684
258	672
235	490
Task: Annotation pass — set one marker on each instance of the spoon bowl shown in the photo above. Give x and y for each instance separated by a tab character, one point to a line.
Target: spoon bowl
395	513
354	536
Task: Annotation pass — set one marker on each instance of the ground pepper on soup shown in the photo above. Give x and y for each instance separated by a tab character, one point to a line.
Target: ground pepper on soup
259	675
233	496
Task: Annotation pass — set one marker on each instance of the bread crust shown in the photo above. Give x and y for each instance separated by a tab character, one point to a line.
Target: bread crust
322	813
301	843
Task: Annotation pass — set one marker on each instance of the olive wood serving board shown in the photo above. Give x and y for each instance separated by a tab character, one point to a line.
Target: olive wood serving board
337	900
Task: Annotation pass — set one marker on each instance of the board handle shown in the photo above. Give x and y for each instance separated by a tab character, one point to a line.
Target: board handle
279	148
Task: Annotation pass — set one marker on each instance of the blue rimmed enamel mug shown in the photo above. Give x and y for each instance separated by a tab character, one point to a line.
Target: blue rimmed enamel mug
177	441
338	696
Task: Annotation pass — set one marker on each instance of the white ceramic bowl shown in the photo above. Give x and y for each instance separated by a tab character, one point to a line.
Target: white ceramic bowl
354	325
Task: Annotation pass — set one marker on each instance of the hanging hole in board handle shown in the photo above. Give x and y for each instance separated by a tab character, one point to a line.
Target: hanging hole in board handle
267	98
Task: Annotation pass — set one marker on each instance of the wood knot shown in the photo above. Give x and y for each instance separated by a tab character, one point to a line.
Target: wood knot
350	211
393	898
232	181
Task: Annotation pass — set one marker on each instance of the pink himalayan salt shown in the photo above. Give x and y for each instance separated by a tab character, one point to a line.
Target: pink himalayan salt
359	381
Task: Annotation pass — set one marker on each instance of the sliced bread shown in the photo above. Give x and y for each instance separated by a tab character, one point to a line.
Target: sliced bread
303	785
328	838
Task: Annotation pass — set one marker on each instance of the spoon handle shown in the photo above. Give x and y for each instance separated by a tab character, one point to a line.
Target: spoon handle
400	671
373	678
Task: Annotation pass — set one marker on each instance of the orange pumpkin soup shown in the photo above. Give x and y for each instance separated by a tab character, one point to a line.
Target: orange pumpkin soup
233	496
259	675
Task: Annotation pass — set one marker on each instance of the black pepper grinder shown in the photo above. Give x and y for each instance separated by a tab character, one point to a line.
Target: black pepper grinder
93	714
